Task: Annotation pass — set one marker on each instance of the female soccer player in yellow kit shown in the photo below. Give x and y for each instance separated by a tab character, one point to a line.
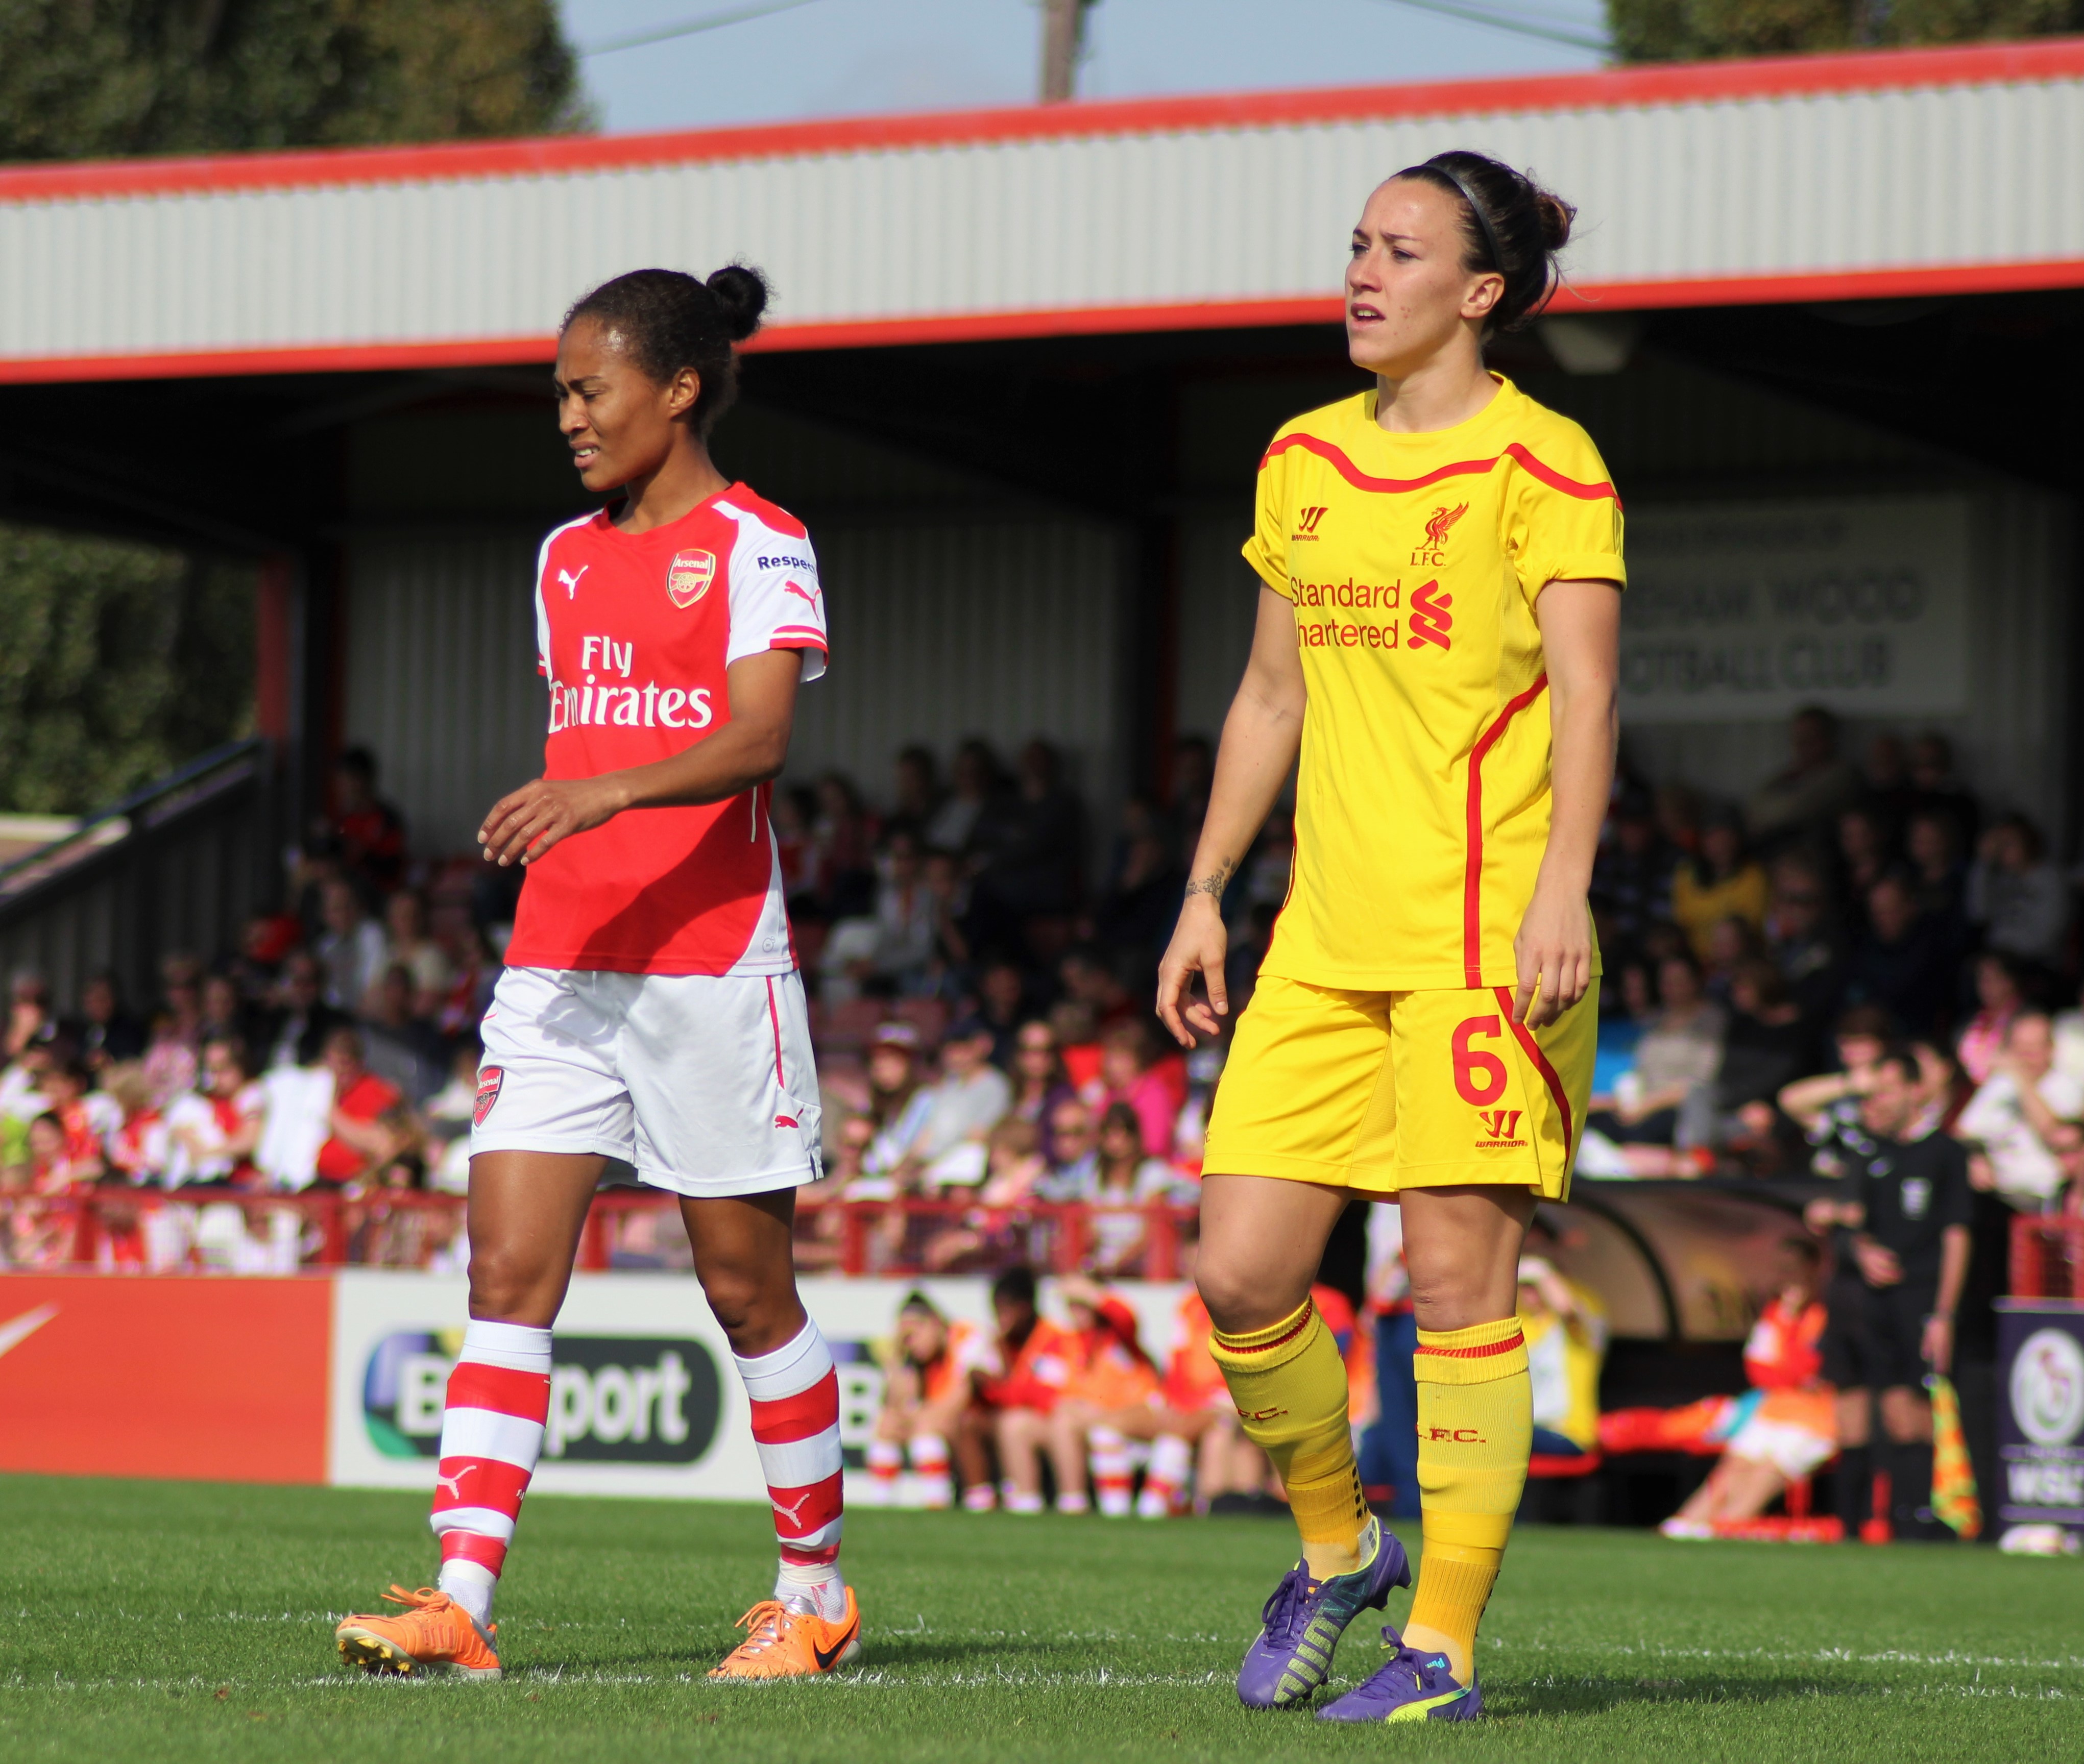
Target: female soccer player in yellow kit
1437	639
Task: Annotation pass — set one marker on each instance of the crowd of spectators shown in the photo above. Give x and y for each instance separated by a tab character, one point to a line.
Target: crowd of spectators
1747	944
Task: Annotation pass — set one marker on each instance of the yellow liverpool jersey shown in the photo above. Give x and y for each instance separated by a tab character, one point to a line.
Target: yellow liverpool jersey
1414	562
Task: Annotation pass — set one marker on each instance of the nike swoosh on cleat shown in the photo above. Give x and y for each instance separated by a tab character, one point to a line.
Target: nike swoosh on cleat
18	1330
827	1656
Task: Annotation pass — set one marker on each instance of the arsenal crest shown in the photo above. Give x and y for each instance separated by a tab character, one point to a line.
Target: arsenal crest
689	577
489	1078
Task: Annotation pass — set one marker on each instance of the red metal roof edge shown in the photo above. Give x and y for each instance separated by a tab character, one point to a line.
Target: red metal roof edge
1615	297
2043	58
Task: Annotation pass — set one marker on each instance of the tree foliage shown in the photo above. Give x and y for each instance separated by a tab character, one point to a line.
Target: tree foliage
90	78
1696	30
118	662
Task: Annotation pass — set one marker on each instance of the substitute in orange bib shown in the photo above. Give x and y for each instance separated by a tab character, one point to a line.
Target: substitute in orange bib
1436	653
650	1011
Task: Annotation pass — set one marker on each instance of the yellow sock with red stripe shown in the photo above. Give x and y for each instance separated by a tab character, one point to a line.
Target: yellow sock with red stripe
1289	1386
1475	1433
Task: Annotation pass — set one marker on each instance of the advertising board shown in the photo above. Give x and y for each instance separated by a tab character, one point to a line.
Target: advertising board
2041	1416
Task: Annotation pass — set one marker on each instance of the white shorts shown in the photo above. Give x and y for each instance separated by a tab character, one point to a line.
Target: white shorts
704	1083
1787	1446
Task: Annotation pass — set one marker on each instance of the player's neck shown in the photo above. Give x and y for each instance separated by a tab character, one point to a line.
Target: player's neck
684	479
1437	394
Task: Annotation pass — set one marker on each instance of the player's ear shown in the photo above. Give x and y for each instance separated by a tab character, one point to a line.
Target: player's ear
681	391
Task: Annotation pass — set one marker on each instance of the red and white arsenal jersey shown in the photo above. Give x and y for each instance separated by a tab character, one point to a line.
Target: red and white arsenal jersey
635	631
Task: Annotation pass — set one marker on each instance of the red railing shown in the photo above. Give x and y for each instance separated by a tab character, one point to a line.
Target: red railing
2048	1257
125	1230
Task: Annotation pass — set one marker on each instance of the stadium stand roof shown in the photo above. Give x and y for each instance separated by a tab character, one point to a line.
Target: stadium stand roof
1873	176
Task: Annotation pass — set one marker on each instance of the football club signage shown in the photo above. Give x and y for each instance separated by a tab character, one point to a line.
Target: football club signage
1753	609
2040	1419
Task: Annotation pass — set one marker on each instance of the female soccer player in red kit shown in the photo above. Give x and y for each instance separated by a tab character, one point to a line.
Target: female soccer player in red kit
650	1010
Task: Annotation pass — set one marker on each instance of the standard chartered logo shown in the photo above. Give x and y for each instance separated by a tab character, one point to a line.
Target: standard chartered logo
618	1399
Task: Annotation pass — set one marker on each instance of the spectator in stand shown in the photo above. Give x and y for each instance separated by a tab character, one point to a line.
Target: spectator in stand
1015	1171
107	1034
366	1127
264	942
1632	877
1117	1375
172	1051
1034	867
795	812
1089	978
408	942
1765	1046
1722	883
1731	942
1932	846
213	1131
1039	1083
947	892
65	1095
1934	789
1142	898
1041	1356
1908	1209
1077	1040
1073	1155
52	1168
1002	1004
401	1047
1864	853
2023	1119
1799	802
350	949
1885	786
2016	896
1901	962
1827	1106
223	1011
915	796
1118	1185
1800	939
1132	1076
974	787
904	949
1999	999
371	833
846	835
896	1109
1668	1098
138	1149
1194	772
304	1019
2069	1041
959	1112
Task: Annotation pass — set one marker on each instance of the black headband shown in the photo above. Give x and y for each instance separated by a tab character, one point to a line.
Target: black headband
1476	208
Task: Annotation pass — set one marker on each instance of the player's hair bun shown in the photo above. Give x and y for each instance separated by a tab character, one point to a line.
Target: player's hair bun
1510	224
665	320
741	293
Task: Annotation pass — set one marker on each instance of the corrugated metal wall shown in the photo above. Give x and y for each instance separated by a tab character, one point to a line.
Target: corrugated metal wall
941	629
1791	183
1218	607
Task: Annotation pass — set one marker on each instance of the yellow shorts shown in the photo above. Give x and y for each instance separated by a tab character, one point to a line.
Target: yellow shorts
1383	1091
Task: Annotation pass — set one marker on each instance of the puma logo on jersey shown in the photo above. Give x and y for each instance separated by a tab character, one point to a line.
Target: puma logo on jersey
571	582
1431	619
808	596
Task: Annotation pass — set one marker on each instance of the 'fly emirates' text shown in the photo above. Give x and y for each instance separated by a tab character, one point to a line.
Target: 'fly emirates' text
648	706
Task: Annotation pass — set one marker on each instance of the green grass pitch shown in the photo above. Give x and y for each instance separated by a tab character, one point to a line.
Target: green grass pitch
192	1620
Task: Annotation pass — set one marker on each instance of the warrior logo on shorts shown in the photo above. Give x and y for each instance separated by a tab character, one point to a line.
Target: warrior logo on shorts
689	577
489	1078
1500	1128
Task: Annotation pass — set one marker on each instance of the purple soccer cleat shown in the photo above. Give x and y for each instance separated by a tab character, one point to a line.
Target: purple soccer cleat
1304	1620
1413	1686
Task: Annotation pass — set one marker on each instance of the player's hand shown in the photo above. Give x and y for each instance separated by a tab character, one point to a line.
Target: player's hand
1938	1346
1552	955
1878	1266
1200	943
525	825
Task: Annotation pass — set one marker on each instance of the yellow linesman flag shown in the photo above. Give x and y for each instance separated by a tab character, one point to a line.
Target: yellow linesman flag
1954	1501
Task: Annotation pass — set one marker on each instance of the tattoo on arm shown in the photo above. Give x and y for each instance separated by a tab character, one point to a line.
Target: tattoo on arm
1212	883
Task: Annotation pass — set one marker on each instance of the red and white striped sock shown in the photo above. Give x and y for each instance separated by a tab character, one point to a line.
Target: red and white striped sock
795	1396
930	1458
1165	1482
492	1434
1112	1470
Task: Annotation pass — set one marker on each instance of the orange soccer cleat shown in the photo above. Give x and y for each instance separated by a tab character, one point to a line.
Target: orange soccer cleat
433	1634
783	1641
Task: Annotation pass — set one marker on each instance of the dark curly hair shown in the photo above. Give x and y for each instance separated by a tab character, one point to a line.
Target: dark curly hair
668	320
1518	230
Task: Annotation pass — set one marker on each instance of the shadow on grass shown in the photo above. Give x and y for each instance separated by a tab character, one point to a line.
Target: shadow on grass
1596	1694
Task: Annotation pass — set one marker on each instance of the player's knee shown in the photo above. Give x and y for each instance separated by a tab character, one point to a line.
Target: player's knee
505	1285
1903	1416
1237	1302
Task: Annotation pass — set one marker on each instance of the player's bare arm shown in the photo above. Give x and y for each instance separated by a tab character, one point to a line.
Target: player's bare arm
1954	1246
746	751
1262	734
1580	624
